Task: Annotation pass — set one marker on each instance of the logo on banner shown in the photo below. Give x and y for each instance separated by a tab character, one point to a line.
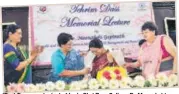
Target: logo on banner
142	6
42	9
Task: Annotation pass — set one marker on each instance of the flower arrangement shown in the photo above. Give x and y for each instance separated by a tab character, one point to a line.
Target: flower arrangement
161	80
109	73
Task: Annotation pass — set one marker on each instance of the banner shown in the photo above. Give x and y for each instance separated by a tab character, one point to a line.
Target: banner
118	25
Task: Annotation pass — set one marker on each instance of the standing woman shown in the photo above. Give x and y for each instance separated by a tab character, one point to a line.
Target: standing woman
67	63
157	55
17	63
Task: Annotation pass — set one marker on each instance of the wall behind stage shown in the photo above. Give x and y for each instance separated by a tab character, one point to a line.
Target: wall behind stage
162	10
20	16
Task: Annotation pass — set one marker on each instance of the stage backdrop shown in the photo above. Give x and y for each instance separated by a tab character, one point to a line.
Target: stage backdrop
118	25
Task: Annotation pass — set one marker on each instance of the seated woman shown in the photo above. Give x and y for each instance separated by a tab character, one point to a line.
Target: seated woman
17	63
67	64
157	54
102	58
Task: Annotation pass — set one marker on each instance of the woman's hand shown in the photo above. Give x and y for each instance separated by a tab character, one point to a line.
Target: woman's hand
110	58
35	52
85	71
71	73
132	64
172	50
126	65
40	49
83	53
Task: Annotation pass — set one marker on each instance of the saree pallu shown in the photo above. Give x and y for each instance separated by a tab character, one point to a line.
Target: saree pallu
12	58
151	59
100	63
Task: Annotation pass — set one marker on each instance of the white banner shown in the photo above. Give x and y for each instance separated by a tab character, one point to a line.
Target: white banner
118	25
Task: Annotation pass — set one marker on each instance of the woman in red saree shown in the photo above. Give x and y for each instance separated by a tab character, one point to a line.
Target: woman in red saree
102	58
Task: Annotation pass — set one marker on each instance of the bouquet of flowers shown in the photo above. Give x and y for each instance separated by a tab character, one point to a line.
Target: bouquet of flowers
109	73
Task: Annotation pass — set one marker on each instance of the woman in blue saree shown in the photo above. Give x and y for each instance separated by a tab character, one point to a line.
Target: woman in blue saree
17	63
67	64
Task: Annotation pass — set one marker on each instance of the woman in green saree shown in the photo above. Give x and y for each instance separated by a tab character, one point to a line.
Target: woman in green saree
17	63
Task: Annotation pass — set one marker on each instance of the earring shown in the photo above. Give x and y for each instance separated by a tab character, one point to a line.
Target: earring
9	41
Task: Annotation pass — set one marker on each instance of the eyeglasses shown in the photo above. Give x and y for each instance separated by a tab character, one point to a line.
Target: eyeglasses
69	44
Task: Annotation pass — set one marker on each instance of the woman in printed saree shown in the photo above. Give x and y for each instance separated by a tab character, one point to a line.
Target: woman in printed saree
157	54
17	63
67	64
103	57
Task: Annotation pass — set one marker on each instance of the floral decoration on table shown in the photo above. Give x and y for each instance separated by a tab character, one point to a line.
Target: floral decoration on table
161	80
